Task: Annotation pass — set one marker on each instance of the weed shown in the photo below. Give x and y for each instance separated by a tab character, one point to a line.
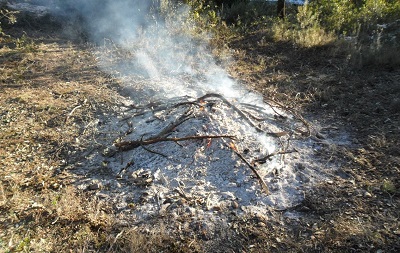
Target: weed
24	245
388	186
25	44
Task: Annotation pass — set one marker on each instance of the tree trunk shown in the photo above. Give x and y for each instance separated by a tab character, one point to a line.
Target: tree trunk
281	9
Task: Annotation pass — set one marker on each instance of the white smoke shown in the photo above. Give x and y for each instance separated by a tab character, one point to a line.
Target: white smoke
158	56
145	43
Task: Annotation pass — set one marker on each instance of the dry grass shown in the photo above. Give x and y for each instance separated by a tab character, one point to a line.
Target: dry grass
359	211
50	98
311	35
40	209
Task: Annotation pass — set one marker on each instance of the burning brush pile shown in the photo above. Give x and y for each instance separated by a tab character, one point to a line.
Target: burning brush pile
207	153
187	138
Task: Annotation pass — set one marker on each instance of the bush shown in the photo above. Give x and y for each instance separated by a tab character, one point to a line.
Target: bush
303	28
370	29
347	17
7	16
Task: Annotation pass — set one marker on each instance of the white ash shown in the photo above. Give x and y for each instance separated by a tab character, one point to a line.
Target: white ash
205	175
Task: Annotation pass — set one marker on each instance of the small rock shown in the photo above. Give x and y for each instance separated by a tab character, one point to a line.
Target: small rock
94	186
367	194
36	205
235	205
109	151
261	224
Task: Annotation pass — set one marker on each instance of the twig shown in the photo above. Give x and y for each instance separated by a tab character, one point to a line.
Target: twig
296	115
167	130
115	240
262	182
278	134
261	110
265	158
154	152
70	114
128	145
125	167
273	108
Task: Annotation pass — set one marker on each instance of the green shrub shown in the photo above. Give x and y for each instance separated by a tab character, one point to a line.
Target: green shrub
369	29
347	17
303	28
7	16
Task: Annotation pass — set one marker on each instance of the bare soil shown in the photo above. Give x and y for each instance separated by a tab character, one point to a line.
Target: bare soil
52	90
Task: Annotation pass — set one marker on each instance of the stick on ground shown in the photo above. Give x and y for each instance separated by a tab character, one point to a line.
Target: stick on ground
260	179
129	145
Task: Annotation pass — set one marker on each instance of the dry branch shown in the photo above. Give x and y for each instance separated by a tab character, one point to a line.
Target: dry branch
260	179
72	112
168	129
296	115
128	145
199	102
267	157
278	134
154	152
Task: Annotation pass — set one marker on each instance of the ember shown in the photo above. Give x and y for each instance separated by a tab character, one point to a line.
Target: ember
233	146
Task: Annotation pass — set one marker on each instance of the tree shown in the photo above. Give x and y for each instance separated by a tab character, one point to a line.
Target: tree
281	9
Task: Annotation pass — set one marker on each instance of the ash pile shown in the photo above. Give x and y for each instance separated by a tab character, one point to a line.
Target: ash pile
204	155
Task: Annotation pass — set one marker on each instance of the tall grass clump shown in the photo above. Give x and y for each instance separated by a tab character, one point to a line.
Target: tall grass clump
370	28
368	31
302	28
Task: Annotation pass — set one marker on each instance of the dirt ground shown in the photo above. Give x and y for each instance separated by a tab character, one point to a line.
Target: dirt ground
51	90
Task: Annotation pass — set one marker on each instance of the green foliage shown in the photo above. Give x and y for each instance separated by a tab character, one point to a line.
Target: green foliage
247	12
204	12
25	44
9	17
24	245
303	29
388	186
235	12
370	28
346	17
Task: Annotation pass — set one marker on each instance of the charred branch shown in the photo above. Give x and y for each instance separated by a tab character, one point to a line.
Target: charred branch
128	145
242	114
264	186
190	110
264	159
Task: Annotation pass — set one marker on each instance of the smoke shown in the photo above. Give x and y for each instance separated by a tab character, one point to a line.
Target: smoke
149	44
158	53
